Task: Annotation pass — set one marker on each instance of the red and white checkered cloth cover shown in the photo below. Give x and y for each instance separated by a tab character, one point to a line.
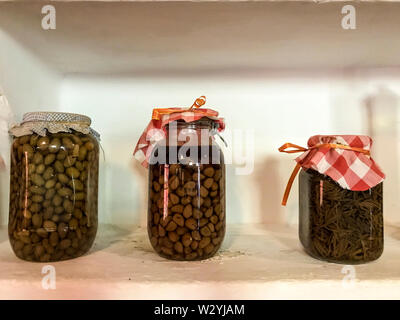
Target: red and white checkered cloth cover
155	130
351	170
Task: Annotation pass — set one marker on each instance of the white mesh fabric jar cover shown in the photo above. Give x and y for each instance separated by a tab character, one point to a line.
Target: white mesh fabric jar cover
53	122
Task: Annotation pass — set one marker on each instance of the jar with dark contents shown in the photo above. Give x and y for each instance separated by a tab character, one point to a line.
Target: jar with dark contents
339	225
186	210
53	212
340	198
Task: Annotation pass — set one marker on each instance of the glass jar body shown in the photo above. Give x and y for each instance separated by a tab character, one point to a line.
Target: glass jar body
339	225
53	212
186	209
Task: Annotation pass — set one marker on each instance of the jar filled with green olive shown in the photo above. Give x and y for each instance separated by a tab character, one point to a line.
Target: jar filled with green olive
186	207
53	186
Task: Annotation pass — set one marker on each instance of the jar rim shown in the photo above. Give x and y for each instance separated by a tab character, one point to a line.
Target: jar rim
203	123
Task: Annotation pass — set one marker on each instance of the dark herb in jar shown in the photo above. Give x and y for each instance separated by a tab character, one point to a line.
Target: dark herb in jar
340	225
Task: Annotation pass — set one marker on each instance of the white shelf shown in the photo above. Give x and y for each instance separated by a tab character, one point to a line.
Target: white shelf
115	61
256	262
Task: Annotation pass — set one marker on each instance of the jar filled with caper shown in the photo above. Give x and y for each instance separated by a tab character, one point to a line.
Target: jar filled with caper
186	206
53	186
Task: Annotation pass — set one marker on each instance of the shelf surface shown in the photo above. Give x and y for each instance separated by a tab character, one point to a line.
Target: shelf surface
256	262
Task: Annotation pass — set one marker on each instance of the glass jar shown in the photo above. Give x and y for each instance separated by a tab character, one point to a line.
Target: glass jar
53	195
186	210
339	225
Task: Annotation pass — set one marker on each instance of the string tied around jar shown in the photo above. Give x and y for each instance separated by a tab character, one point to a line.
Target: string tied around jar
162	117
201	101
293	148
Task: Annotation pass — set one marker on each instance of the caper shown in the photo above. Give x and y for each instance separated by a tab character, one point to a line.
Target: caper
37	190
65	192
27	150
57	200
49	226
48	173
68	206
37	180
40	168
89	145
53	239
62	178
54	145
31	168
59	210
37	220
76	184
82	153
50	183
62	155
37	158
43	143
69	161
67	143
49	194
49	159
37	198
73	172
59	166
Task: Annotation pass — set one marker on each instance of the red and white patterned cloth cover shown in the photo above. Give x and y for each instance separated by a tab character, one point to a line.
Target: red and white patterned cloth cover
351	170
155	130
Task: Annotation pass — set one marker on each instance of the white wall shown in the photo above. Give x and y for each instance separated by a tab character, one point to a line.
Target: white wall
280	109
28	85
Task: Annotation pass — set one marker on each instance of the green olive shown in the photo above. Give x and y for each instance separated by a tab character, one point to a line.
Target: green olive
43	143
54	145
59	166
50	183
37	158
49	159
63	178
37	180
73	172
